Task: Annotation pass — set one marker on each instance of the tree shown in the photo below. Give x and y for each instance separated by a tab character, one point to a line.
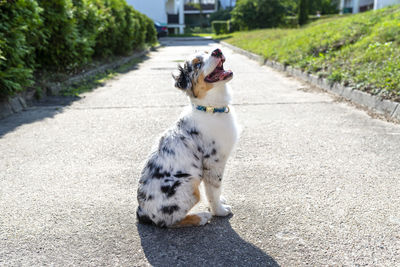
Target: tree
253	14
303	12
323	6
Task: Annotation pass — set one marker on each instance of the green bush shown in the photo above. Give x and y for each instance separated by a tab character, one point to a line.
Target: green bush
64	35
222	14
113	36
323	6
122	29
64	48
255	14
20	35
220	26
88	21
233	26
151	33
140	33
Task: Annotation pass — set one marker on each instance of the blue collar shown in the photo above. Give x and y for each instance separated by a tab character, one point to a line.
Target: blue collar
212	110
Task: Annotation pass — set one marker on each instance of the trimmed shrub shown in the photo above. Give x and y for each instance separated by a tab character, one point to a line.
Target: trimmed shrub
88	21
233	26
122	29
111	28
151	33
20	35
220	26
140	33
64	49
64	35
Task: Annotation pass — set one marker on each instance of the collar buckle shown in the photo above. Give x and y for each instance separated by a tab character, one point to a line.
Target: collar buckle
210	109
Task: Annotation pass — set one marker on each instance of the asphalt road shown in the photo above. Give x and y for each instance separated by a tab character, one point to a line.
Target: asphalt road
313	181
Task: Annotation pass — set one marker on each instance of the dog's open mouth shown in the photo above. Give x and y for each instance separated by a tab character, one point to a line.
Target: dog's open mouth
218	74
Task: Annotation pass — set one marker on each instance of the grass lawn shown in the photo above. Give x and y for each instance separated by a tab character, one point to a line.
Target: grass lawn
361	51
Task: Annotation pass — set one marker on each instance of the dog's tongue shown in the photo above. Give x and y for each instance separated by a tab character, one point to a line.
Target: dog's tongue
218	74
223	74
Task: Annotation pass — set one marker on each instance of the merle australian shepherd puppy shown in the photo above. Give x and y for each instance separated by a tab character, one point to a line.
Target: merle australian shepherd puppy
194	150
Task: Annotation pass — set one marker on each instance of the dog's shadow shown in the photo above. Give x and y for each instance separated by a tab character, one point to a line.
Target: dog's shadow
215	244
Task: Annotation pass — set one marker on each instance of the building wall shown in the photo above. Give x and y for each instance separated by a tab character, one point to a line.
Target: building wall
364	5
382	3
171	7
227	3
349	3
366	2
198	1
154	9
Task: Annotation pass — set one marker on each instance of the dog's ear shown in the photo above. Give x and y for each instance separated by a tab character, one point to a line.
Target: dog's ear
182	80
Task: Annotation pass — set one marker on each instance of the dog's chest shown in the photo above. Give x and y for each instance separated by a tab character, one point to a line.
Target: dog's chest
219	134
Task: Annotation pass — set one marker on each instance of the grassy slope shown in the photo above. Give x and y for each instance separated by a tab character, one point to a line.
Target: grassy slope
361	51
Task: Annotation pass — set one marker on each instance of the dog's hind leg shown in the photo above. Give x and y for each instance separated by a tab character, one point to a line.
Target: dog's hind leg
194	220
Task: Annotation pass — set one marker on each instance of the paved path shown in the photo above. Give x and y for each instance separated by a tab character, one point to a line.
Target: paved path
312	182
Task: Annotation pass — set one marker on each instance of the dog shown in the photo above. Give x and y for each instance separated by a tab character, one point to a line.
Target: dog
194	150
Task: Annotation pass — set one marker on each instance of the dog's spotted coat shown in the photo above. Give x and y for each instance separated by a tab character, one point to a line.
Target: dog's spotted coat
194	150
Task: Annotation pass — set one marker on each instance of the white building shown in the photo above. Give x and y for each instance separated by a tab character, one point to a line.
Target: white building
356	6
172	12
168	12
382	3
227	3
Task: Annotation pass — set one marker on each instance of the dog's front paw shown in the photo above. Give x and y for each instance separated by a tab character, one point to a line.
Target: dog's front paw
204	217
223	210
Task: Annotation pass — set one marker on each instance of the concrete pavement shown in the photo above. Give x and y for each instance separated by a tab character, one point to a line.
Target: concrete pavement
313	181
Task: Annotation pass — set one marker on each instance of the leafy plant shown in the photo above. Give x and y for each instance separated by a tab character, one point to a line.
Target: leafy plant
220	26
222	14
64	35
151	33
64	48
254	14
20	36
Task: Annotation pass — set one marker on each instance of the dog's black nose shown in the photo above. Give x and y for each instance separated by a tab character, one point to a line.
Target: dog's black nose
217	53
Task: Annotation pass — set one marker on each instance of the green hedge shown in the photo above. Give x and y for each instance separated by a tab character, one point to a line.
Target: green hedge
64	35
20	36
220	26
